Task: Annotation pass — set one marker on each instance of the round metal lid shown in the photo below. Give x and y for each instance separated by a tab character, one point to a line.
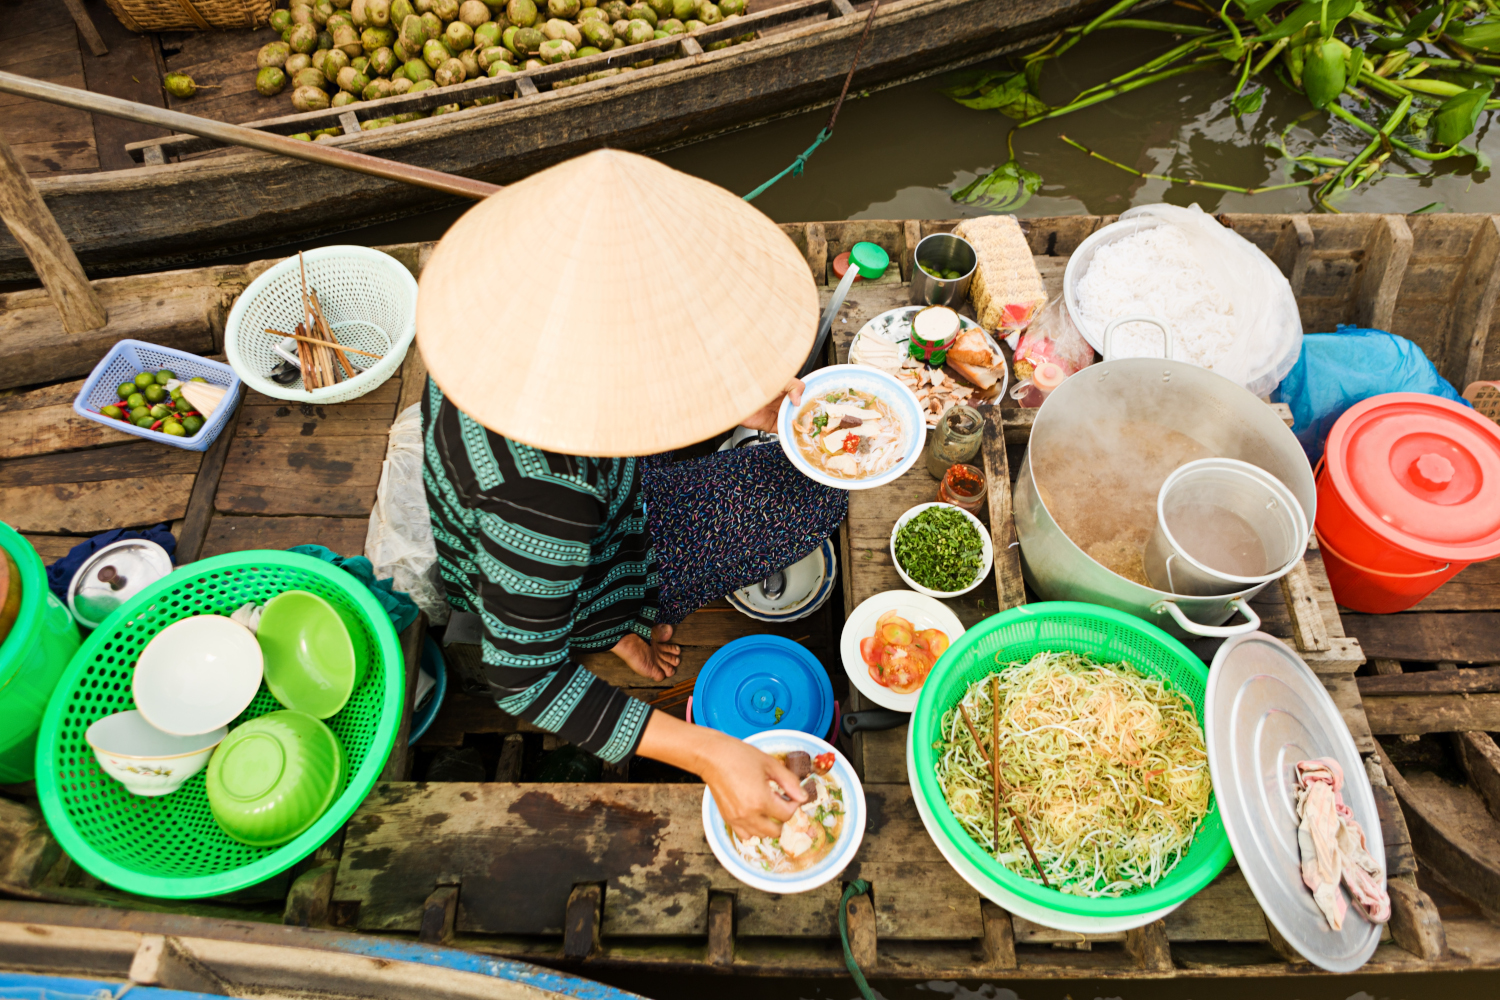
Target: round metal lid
112	576
1266	710
763	682
1421	472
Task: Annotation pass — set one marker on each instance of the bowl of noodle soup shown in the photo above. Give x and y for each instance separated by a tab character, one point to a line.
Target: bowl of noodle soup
856	428
835	818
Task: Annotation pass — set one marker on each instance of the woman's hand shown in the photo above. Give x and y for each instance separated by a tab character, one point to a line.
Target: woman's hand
656	661
764	419
738	774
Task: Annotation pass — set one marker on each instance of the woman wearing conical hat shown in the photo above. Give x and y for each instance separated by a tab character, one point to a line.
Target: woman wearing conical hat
580	326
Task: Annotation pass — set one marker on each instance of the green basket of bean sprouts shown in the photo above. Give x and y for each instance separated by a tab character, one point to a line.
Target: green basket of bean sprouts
1103	785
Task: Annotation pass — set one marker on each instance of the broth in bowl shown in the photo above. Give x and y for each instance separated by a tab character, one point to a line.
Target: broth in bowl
848	434
810	835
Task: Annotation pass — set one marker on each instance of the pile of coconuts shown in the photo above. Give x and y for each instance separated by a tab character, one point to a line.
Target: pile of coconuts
338	52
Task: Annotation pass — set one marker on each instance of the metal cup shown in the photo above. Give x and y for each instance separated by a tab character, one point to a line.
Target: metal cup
946	252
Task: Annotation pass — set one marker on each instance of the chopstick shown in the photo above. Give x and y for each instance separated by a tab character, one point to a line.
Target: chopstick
999	782
325	343
327	331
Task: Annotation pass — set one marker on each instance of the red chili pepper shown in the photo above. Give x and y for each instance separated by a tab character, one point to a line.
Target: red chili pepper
851	443
823	763
157	425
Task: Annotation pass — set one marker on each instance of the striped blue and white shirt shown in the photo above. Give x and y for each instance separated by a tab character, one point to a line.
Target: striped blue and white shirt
554	554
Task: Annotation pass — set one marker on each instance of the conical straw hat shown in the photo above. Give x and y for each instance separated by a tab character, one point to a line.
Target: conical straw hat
611	305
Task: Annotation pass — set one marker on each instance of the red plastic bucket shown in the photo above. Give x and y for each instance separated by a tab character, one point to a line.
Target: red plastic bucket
1410	495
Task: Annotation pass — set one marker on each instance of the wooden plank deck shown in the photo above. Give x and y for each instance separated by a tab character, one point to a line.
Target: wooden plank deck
496	863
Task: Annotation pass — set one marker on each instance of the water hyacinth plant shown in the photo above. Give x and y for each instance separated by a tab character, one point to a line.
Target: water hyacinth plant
1414	77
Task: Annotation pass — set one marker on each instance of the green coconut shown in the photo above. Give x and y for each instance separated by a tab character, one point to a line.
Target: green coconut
322	11
486	35
325	39
671	26
497	67
346	40
445	109
179	85
528	40
556	28
567	9
359	14
272	54
445	9
729	8
459	36
597	33
556	50
302	14
401	10
592	14
361	63
470	59
300	137
685	10
376	89
402	53
638	31
309	99
270	81
378	13
508	37
400	86
303	38
309	77
450	73
710	14
352	80
343	99
533	64
376	38
341	17
296	63
413	33
641	11
473	13
433	24
422	85
522	13
621	28
693	25
383	61
436	52
281	20
586	51
417	71
615	9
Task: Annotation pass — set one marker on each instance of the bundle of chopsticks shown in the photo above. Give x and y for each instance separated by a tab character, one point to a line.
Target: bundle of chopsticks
317	344
674	696
993	759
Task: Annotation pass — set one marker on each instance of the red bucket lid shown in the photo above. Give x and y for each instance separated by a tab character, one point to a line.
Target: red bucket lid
1422	473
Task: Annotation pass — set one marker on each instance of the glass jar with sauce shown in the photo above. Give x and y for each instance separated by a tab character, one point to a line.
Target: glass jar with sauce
956	438
964	487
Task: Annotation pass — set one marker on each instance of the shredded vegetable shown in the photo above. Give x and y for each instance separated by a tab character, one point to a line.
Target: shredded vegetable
1106	767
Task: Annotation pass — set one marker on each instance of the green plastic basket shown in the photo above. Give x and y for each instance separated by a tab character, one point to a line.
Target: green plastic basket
171	846
1016	635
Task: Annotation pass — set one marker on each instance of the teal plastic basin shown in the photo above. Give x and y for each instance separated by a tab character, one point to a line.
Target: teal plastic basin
32	658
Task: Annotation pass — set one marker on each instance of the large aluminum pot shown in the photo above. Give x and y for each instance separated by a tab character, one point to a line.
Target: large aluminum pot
1117	411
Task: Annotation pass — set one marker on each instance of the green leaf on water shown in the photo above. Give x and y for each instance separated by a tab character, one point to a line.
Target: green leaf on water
1435	206
1248	104
1420	22
1309	13
1005	93
972	81
1456	117
1004	189
1256	8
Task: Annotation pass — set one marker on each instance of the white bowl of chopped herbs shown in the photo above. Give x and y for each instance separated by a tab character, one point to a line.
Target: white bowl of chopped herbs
941	550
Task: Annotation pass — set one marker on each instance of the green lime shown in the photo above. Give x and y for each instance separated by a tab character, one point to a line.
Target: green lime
173	428
145	421
135	399
112	411
155	394
192	424
198	378
176	393
144	379
164	376
160	410
139	413
125	390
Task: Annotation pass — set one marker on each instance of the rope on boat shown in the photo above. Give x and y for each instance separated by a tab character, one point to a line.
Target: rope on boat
800	163
856	888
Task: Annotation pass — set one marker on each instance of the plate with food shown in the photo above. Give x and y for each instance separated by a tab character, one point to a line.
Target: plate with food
856	428
973	370
820	839
892	641
941	550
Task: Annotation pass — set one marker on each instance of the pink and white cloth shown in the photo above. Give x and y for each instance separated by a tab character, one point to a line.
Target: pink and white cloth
1333	847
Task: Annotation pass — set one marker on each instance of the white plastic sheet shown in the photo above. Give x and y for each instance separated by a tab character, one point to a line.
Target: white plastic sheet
399	543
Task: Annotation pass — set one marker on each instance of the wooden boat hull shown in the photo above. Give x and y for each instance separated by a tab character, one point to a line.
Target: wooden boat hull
152	217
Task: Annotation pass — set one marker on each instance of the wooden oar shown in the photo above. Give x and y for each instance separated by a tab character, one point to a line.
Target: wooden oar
239	135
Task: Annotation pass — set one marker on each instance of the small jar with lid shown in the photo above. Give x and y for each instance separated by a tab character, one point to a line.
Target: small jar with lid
956	438
964	487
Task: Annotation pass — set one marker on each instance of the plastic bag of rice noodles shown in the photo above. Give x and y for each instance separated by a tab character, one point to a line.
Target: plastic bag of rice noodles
1229	307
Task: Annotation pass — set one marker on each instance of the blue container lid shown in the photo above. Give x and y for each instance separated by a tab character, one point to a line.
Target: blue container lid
763	682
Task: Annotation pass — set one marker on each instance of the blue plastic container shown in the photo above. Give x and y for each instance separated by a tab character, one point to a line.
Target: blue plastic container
129	357
763	682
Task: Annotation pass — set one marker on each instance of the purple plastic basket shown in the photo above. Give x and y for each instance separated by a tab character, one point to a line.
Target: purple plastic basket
129	357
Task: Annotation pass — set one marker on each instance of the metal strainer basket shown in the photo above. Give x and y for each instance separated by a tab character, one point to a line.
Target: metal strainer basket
368	297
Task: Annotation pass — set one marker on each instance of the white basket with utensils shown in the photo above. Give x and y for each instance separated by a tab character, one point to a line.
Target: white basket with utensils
368	298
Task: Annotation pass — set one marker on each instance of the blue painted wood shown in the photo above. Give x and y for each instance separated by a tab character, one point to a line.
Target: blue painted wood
21	986
484	965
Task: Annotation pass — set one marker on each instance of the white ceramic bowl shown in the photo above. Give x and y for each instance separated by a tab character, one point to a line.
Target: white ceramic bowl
146	760
876	382
198	674
987	562
853	832
809	582
922	611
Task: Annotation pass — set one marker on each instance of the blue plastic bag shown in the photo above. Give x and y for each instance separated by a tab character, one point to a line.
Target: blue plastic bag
1337	370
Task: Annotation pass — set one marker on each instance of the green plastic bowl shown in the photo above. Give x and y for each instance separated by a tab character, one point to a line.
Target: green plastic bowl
310	661
1017	635
171	847
33	656
273	777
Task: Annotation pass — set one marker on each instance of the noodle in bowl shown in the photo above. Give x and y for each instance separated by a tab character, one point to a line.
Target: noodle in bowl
761	864
888	438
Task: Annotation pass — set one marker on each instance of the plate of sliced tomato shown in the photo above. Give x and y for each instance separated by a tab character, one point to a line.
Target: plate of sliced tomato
892	641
